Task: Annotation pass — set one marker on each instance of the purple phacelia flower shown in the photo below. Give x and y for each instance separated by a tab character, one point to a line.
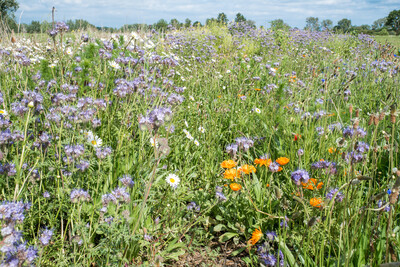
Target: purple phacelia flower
335	193
300	176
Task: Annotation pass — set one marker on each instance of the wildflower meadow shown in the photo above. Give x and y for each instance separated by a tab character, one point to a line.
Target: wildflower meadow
224	145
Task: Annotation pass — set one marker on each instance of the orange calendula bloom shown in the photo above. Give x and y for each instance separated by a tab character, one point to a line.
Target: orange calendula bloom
227	164
282	161
320	184
256	236
247	169
316	202
257	89
235	186
263	162
313	183
332	150
231	174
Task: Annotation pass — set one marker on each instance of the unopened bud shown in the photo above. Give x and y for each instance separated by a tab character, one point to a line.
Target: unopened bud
31	104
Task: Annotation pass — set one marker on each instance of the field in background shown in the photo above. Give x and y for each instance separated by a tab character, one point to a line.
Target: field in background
391	39
146	149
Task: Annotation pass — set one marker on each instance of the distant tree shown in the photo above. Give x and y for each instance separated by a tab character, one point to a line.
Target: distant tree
251	23
240	18
197	24
7	8
211	21
344	25
279	24
222	18
326	24
312	24
175	23
162	24
393	21
45	26
188	23
379	23
34	27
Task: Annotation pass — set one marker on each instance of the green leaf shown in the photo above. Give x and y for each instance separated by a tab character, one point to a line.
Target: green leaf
175	255
236	252
219	227
225	237
219	218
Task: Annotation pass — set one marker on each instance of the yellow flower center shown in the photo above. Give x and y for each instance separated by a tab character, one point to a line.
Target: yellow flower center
94	142
172	180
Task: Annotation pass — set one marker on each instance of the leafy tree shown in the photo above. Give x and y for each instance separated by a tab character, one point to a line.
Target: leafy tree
326	24
379	23
211	21
344	25
240	18
175	23
7	8
188	23
312	24
222	18
197	24
162	24
279	24
34	27
393	21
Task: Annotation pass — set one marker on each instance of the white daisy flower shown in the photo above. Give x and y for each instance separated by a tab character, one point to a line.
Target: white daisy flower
96	141
191	98
114	65
257	110
202	130
189	136
69	51
196	142
173	180
3	112
88	135
153	142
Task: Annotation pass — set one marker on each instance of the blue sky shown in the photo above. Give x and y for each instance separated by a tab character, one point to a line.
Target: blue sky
116	13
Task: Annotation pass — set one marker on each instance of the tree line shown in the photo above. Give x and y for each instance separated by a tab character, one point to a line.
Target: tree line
383	26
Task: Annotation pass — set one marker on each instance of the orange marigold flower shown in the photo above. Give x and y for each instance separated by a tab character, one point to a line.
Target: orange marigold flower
316	202
279	169
227	164
235	186
312	184
247	169
282	161
231	174
319	186
257	89
332	150
256	236
308	186
263	162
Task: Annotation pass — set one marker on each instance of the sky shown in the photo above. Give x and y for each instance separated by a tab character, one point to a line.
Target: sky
116	13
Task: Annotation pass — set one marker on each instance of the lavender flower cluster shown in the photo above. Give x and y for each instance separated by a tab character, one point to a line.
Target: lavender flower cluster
16	252
242	144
